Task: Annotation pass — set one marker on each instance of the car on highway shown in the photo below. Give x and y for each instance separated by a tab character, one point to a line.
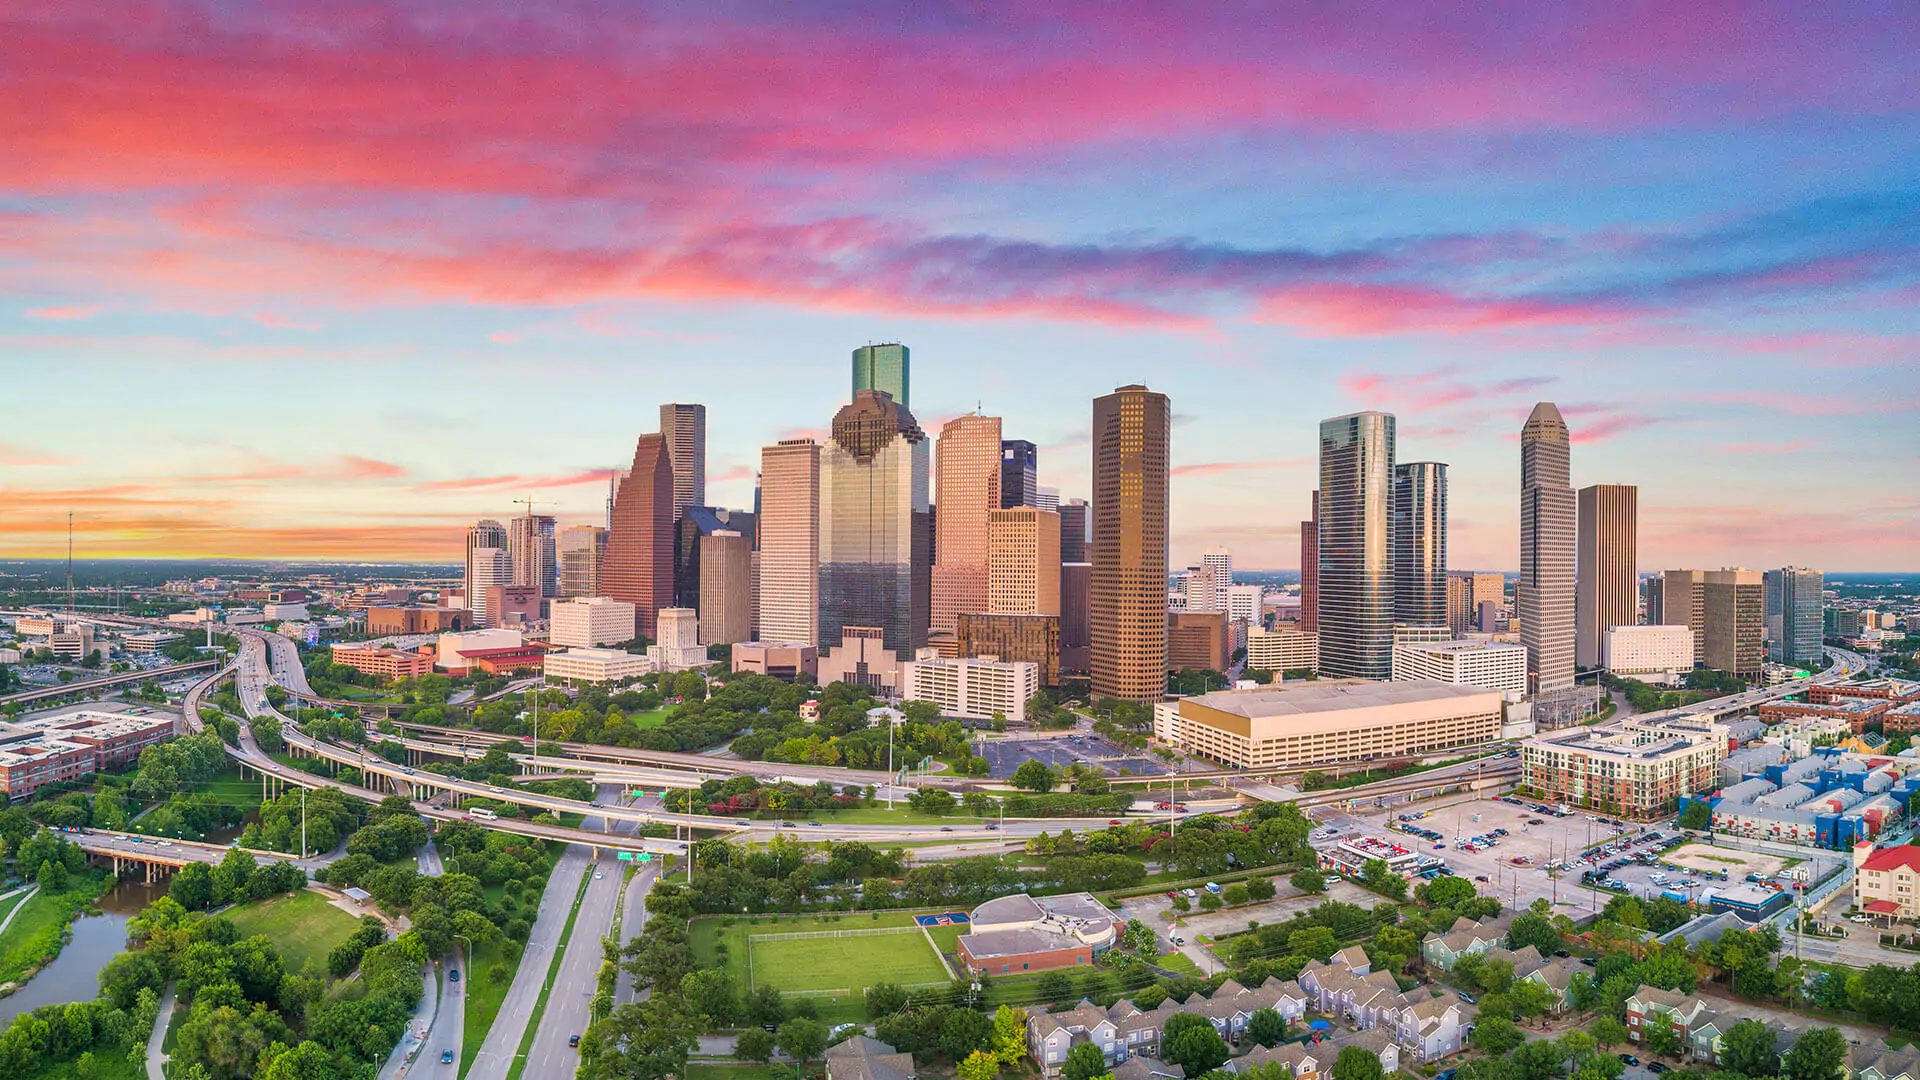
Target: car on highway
446	1057
573	1040
993	825
946	828
453	974
814	824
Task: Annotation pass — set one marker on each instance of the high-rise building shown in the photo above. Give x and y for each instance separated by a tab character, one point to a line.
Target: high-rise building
1076	612
1073	531
581	548
1048	498
1019	474
1652	590
696	522
1466	591
1198	641
966	472
726	570
1736	606
489	570
1023	576
685	429
1217	563
485	533
1543	598
1420	543
1794	628
874	524
587	621
1356	548
1127	622
1606	574
1683	600
638	566
531	547
887	368
789	534
1243	604
1310	570
1034	639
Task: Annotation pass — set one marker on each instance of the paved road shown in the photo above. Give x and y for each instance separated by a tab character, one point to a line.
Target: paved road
568	1009
450	1022
503	1038
155	1058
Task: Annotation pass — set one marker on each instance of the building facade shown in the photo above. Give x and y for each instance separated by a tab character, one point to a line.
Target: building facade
584	622
1606	573
726	588
971	688
967	477
530	544
1544	596
1019	474
1023	575
490	535
788	660
1661	654
1624	769
1127	593
1198	640
1282	649
886	368
1310	569
638	565
581	547
1033	639
1076	615
1683	601
684	427
875	524
789	536
594	666
488	570
1420	544
388	621
1073	531
1313	723
1356	549
1736	612
1794	616
1488	665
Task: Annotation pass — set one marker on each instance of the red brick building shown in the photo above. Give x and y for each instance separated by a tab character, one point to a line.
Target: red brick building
73	746
383	621
1859	713
386	663
1012	934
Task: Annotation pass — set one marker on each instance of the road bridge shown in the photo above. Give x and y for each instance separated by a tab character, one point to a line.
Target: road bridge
25	697
160	857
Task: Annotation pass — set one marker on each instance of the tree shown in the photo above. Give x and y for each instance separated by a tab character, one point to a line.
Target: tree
1448	891
192	886
709	992
981	1065
1609	1033
1210	901
1235	894
1260	888
884	999
1496	1036
1010	1035
1537	1060
52	877
1697	815
1376	875
1267	1027
1189	1040
753	1044
1033	776
1820	1054
1747	1048
1358	1063
1664	1039
1534	930
648	1040
1053	986
1084	1062
1309	880
803	1038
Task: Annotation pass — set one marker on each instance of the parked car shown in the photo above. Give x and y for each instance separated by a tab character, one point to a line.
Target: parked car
1655	1067
1629	1059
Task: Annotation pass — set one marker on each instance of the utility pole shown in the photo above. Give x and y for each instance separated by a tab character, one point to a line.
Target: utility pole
303	822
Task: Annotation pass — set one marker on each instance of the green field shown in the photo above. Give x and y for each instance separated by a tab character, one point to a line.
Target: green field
646	720
39	930
849	963
739	1072
303	927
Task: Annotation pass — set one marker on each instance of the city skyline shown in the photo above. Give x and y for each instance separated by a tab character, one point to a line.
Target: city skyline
331	326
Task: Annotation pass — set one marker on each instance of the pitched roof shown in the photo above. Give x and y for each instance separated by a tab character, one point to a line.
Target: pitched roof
862	1058
1891	858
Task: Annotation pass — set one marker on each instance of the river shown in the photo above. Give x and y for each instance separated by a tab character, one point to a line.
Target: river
74	975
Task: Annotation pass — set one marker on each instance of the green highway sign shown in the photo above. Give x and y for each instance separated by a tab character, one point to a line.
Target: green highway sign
624	856
646	857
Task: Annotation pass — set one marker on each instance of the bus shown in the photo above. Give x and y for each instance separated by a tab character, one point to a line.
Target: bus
483	814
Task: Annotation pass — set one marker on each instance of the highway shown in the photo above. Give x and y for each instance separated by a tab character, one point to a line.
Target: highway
569	1002
179	852
25	697
503	1038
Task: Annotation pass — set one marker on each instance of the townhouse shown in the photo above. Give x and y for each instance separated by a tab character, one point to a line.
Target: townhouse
1465	937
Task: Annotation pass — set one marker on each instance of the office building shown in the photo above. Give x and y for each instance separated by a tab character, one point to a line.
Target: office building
140	643
1543	598
530	546
1356	549
1420	543
383	663
581	548
1488	665
488	569
789	507
971	688
1073	531
1076	614
886	368
679	647
1216	567
1048	499
875	524
697	522
1023	576
1033	639
638	565
391	621
1652	590
1243	604
726	573
1736	610
1310	570
1466	591
587	621
514	605
1651	654
1281	650
1683	600
594	666
1621	768
69	747
490	534
1606	574
451	650
684	427
1794	630
786	660
967	476
862	658
1127	594
1302	724
1198	640
1019	474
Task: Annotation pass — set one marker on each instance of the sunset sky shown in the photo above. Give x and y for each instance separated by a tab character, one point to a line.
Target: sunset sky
331	280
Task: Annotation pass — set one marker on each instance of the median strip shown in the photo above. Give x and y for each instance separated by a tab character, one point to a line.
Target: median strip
546	987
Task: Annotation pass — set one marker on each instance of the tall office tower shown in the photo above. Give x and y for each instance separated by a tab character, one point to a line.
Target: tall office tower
790	542
1127	617
1047	498
489	569
1310	570
1606	571
886	368
530	544
726	580
1356	549
1023	573
1218	564
696	522
1076	607
581	548
1192	590
1794	629
1459	601
1243	604
485	533
638	565
614	480
966	471
1736	604
1683	602
1073	531
1420	539
685	428
1544	597
874	524
1651	590
1019	473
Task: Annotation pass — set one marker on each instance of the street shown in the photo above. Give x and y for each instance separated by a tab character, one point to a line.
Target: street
568	1010
503	1038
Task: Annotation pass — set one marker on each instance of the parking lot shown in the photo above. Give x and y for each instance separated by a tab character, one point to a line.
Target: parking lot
1005	755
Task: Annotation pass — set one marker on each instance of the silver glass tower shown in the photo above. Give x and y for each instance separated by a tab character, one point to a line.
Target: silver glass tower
1356	546
1420	544
1543	598
1794	615
875	529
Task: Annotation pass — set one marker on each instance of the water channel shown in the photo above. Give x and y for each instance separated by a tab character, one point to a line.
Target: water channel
74	975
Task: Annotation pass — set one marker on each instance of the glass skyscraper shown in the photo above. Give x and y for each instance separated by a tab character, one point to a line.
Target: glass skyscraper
886	368
1420	544
1543	598
875	525
1794	627
1356	546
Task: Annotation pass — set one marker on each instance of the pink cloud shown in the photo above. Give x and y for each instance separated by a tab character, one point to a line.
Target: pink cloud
15	456
277	322
1345	309
67	313
515	482
1215	468
1808	404
261	470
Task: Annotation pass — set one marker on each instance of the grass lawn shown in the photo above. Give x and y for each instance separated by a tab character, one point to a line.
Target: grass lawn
849	963
646	720
12	902
38	931
1180	962
304	927
880	815
945	936
740	1072
484	997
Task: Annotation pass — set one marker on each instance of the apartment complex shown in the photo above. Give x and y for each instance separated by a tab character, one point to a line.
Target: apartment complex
1488	665
971	688
1886	881
1310	723
583	622
1626	769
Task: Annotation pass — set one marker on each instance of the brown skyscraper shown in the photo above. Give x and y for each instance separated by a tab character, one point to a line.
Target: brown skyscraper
966	478
1683	602
1127	617
1310	571
638	566
1606	575
1736	612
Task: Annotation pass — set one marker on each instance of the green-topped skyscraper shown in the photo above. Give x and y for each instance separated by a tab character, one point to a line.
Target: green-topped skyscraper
883	367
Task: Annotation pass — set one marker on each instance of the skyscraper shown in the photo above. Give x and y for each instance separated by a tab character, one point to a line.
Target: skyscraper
726	570
1543	599
1606	573
886	368
1683	602
489	569
581	548
1736	609
485	533
1073	531
1356	549
696	522
530	543
1019	473
1420	544
1127	621
1217	562
638	565
1794	628
966	468
1023	573
1310	570
789	534
1652	591
685	429
874	524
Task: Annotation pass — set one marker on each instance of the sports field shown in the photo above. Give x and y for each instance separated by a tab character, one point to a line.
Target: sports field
848	963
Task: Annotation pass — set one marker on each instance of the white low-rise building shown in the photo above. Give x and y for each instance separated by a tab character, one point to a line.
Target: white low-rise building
587	621
453	647
1285	649
283	612
679	647
971	688
584	665
146	643
1655	654
1488	665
